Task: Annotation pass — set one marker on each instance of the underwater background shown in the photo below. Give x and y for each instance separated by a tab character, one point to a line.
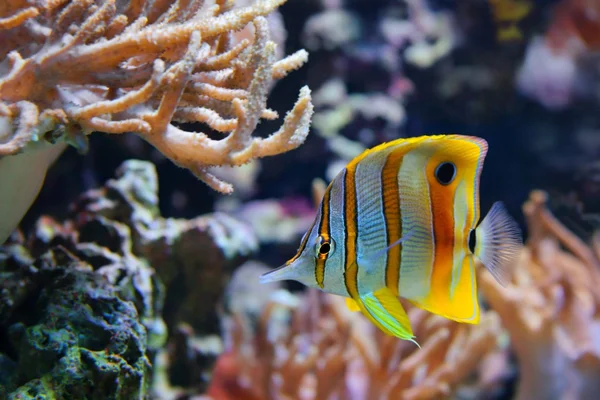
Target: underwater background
134	272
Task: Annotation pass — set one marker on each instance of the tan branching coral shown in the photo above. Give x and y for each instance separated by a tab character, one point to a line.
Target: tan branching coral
72	67
551	309
330	353
450	353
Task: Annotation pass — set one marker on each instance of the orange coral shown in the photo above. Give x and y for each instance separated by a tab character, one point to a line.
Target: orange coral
76	66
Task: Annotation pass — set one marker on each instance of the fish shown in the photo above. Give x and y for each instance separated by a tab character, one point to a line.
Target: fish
401	221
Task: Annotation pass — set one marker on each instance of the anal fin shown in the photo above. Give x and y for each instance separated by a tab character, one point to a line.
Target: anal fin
352	305
455	300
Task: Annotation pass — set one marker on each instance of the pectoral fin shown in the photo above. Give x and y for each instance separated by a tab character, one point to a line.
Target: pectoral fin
384	309
370	260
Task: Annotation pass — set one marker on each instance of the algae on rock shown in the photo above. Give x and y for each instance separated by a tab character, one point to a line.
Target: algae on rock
68	333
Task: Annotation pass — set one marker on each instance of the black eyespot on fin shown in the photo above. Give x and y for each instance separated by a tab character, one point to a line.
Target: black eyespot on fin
445	173
472	241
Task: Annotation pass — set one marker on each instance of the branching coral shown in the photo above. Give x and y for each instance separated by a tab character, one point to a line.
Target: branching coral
329	353
551	309
116	66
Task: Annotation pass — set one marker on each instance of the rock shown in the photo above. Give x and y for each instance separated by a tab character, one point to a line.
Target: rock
68	333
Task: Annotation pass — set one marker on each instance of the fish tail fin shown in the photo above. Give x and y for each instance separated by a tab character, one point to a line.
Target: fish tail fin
384	309
498	241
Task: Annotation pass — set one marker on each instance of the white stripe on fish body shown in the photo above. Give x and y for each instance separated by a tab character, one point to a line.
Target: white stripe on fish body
334	266
460	225
473	287
416	213
371	226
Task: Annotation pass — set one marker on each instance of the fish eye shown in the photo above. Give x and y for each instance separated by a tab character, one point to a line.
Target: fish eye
324	247
472	241
445	173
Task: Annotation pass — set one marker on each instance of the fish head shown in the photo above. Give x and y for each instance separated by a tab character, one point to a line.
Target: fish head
319	247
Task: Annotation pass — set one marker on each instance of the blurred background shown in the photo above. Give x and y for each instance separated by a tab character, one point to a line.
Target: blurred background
523	74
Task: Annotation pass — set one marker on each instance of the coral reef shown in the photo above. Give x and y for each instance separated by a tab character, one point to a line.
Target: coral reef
114	297
310	346
374	94
327	352
81	294
79	304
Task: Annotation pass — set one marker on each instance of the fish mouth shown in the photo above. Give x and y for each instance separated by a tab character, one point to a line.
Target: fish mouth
294	270
278	274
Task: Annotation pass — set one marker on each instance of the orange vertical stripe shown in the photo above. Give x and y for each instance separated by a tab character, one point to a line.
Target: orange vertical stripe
442	215
350	267
393	220
325	234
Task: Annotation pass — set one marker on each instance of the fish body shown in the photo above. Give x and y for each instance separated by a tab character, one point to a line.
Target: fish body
400	220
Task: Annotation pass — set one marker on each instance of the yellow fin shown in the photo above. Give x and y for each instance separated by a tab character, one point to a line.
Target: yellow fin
454	300
384	309
351	304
